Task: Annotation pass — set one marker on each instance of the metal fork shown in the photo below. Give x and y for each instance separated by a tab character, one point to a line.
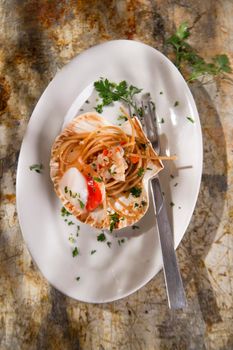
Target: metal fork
174	286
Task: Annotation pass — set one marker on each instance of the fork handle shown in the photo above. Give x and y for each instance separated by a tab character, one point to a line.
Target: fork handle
174	285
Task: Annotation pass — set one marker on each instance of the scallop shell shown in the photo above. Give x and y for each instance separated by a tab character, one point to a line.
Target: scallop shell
97	218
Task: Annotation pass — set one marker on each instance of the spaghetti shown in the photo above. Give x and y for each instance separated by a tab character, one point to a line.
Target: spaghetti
115	158
82	151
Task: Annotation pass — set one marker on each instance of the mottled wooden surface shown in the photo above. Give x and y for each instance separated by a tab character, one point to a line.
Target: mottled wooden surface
37	37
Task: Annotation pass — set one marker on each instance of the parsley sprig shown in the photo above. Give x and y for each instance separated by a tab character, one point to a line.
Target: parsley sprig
186	56
110	92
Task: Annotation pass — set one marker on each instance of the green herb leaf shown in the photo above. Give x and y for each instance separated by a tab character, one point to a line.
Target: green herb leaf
114	220
70	223
98	179
121	241
136	191
223	63
191	119
183	31
71	239
37	168
109	244
140	172
77	278
134	227
187	57
172	204
122	117
65	212
101	237
176	103
110	92
75	252
99	108
93	252
82	205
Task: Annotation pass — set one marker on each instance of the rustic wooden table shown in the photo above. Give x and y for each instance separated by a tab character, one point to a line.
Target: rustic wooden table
37	38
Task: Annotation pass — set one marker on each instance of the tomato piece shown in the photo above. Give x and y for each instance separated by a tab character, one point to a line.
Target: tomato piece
105	152
134	159
123	143
94	198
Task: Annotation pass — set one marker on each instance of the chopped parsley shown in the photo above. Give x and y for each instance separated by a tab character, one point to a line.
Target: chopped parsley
143	203
134	227
136	205
140	172
121	241
93	252
99	108
98	179
109	244
66	189
77	278
65	212
161	92
136	191
37	168
161	121
114	220
71	239
172	176
172	204
176	184
75	252
153	105
191	119
111	171
176	103
101	237
122	117
82	205
70	223
149	169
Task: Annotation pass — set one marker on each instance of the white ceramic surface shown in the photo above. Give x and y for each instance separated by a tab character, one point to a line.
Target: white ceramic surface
110	273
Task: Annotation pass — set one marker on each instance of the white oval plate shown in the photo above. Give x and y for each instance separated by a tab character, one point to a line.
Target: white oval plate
117	271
